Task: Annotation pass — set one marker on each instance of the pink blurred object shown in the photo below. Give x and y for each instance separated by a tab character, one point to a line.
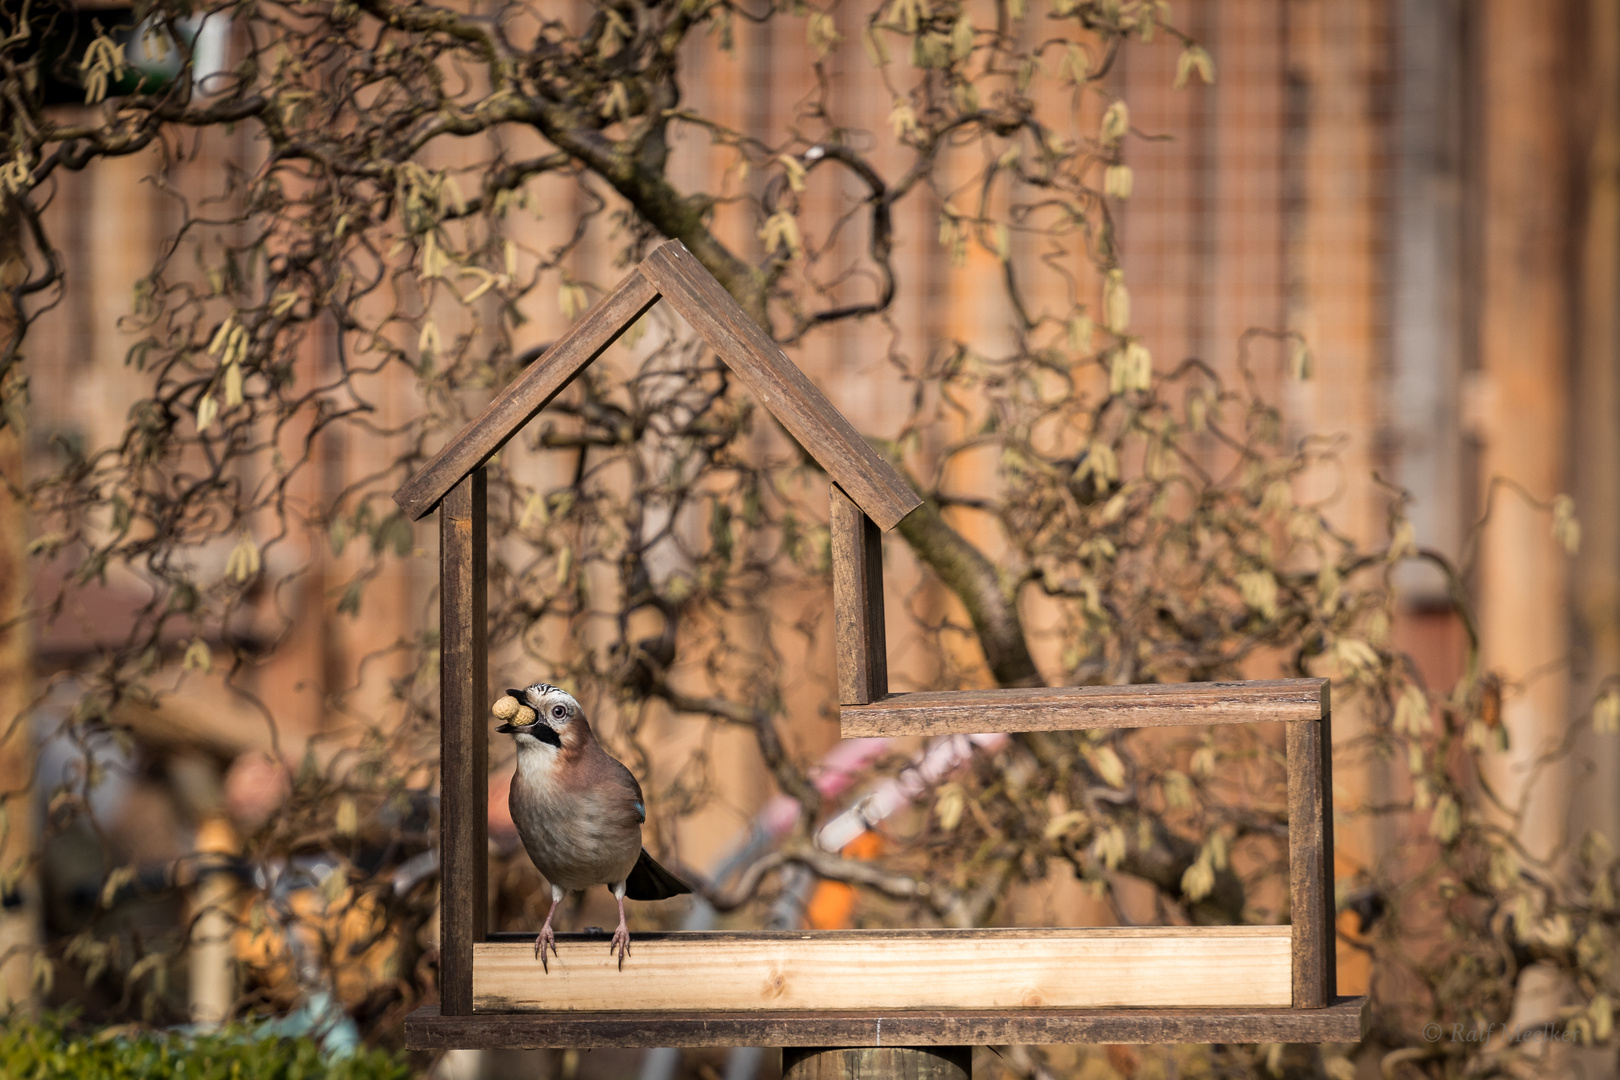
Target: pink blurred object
944	756
256	785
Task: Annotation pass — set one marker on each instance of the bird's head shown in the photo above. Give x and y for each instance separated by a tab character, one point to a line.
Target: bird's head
557	721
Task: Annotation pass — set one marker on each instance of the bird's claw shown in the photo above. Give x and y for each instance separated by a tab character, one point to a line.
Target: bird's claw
621	942
547	937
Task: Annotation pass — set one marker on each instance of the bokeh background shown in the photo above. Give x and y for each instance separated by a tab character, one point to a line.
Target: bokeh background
1395	221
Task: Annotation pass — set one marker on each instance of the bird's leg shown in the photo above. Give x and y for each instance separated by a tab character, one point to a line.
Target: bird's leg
546	936
621	936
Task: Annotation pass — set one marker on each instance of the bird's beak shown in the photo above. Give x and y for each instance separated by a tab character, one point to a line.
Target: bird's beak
519	694
506	729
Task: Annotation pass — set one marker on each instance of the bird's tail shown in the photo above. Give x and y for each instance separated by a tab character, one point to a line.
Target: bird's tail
649	881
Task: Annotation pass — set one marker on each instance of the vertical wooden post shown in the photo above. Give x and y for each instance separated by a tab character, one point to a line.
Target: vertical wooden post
1310	861
857	565
463	739
211	958
877	1063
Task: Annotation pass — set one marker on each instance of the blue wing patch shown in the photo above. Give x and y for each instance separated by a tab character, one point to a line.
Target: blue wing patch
641	812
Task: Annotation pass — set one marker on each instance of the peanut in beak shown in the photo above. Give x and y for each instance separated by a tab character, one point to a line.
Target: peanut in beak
513	711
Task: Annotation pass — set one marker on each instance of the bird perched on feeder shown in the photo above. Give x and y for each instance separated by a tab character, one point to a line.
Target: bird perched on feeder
578	811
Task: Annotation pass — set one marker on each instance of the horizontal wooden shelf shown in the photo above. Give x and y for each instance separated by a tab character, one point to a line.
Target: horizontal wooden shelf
1088	967
1071	708
1343	1021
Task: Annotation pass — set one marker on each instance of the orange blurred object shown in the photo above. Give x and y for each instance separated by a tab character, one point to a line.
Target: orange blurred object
832	905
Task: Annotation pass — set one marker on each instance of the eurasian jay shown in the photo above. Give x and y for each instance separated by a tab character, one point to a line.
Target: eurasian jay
578	811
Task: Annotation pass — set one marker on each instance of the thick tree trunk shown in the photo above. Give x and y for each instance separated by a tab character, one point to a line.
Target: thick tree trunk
1525	81
1597	411
1524	353
19	905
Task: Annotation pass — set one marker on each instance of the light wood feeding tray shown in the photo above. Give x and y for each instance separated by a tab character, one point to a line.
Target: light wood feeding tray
852	987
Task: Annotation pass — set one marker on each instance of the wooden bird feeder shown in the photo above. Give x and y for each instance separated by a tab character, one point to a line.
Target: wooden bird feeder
941	989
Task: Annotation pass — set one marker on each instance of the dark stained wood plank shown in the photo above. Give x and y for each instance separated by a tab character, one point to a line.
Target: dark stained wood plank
1071	708
529	393
888	1062
857	566
463	738
778	384
1343	1021
1310	863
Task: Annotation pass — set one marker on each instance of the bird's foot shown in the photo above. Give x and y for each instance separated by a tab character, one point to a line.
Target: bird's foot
621	942
546	939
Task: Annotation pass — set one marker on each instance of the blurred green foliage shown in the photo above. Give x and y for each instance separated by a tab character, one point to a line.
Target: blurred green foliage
50	1049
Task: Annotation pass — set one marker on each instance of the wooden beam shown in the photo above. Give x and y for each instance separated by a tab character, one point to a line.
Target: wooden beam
463	739
778	384
857	566
1343	1021
1071	708
1127	967
1310	864
528	394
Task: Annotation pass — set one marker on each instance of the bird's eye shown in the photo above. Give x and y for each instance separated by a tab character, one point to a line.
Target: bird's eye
559	711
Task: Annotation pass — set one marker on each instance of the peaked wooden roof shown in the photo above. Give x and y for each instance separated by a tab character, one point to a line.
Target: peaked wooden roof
675	275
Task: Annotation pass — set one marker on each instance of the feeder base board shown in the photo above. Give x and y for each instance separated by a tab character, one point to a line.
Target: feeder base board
1343	1021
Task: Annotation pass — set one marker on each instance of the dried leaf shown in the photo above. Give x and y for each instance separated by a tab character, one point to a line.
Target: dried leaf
347	818
1606	713
1199	879
1446	820
781	229
962	37
207	409
1118	181
1116	121
1064	824
1076	66
1566	528
821	31
571	298
1412	712
794	169
1079	333
948	806
1116	302
1106	762
1194	60
1300	363
877	50
902	118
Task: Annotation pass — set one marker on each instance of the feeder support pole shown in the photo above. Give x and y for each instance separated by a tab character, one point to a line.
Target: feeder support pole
877	1063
